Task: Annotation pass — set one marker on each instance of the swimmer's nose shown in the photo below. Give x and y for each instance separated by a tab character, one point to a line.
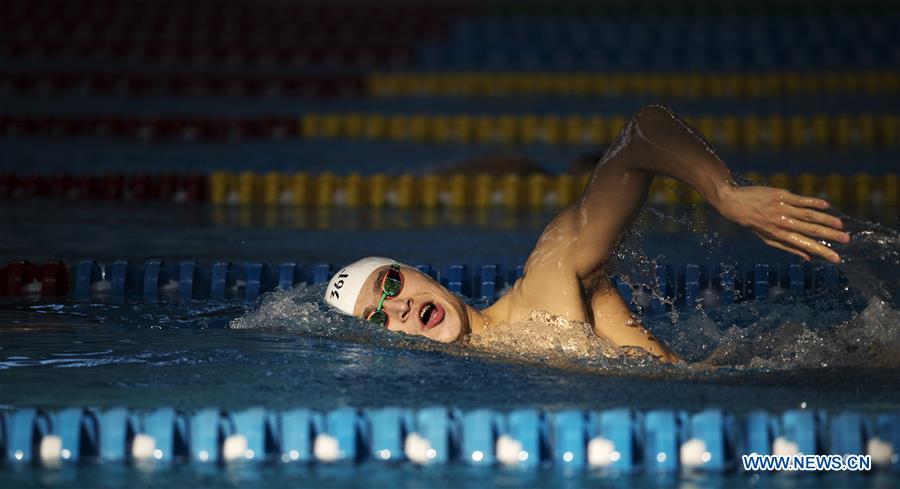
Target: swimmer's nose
399	308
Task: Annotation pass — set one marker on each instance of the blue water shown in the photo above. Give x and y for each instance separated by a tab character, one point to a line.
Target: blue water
833	350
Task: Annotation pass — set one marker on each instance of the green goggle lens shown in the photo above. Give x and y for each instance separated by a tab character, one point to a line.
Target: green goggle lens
379	318
390	287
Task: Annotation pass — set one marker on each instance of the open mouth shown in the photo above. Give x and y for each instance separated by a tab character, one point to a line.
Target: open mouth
431	315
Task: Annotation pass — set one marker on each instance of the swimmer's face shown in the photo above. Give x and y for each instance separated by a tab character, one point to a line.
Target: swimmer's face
423	307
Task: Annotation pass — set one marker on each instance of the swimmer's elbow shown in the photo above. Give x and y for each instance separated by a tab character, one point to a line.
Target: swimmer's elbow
653	112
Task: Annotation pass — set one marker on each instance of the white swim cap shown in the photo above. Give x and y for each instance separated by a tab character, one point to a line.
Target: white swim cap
345	285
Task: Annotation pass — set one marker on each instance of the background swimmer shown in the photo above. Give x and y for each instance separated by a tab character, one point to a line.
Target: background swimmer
565	273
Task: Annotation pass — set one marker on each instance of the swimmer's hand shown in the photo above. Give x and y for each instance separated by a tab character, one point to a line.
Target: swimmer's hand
784	220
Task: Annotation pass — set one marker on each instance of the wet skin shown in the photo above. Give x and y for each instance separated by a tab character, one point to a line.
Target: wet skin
565	273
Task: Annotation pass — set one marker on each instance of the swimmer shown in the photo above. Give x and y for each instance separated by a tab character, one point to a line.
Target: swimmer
565	273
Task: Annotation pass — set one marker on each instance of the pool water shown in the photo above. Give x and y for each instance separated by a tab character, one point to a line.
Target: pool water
833	350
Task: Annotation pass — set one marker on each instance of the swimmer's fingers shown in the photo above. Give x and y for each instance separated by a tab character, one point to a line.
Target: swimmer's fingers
813	230
789	249
805	244
816	217
801	201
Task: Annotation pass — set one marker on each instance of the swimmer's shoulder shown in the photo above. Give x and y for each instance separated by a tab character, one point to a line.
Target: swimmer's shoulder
555	295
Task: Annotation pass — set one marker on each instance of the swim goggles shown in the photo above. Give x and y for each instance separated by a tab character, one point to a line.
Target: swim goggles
391	285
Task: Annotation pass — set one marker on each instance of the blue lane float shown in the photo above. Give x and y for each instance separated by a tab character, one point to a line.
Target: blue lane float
113	434
679	286
152	435
570	439
613	441
524	441
436	436
619	440
388	429
801	432
479	437
757	433
297	435
340	436
710	441
663	436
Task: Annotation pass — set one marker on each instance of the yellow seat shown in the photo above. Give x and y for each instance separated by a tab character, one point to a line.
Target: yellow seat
419	128
300	189
500	85
866	129
354	125
799	132
707	126
696	85
613	126
834	188
581	181
218	187
550	131
780	180
831	83
595	131
484	191
529	126
374	126
325	186
775	131
459	190
728	131
441	129
310	126
377	85
351	190
581	84
890	189
272	187
821	130
246	188
537	190
377	190
676	86
665	190
462	129
752	133
573	129
430	191
563	190
754	86
863	188
511	191
398	127
889	131
485	129
845	134
715	86
404	191
808	185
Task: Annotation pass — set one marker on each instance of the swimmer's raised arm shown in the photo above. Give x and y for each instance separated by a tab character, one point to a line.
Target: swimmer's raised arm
570	254
656	141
